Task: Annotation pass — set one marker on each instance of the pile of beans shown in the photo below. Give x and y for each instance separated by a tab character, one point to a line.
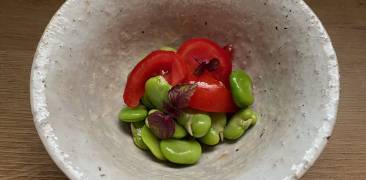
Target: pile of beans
192	127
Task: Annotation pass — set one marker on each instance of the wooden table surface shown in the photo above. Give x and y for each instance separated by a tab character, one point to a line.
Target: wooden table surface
22	155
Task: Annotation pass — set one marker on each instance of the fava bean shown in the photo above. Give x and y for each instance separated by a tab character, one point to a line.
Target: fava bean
152	110
211	138
219	121
239	123
152	142
241	88
136	114
146	102
196	124
179	131
156	89
166	48
136	135
181	151
217	129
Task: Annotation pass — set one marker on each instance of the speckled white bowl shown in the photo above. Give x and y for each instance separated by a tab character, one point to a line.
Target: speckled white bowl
87	50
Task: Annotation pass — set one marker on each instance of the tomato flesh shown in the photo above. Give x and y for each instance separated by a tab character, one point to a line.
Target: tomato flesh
213	91
211	95
199	50
165	63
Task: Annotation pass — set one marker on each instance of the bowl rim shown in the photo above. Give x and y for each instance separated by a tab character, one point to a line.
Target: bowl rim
49	138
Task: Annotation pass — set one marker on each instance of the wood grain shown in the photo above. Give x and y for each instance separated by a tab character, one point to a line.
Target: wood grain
345	155
22	155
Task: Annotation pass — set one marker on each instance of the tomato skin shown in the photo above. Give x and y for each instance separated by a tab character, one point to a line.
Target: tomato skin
229	50
211	95
197	50
165	63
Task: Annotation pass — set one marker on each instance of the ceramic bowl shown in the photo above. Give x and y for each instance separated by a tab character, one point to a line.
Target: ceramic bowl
80	68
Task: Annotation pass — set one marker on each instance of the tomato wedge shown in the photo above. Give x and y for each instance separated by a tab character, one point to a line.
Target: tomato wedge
229	49
200	50
165	63
211	95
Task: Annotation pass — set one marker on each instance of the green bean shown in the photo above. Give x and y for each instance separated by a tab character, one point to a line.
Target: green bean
196	124
156	89
136	114
136	135
152	142
239	123
181	151
241	88
179	132
217	129
167	48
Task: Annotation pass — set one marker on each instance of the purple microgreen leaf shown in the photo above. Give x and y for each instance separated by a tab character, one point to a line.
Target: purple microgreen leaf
161	125
179	97
210	65
197	60
213	64
172	110
200	69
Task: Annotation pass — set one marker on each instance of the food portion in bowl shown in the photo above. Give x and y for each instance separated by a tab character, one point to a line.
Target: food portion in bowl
179	99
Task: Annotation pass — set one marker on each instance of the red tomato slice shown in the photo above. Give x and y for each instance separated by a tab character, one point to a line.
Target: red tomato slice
165	63
229	49
211	95
198	50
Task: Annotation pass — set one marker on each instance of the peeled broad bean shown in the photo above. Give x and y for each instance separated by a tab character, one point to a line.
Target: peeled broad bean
136	114
211	138
219	121
156	89
136	135
216	133
151	111
167	48
239	123
241	88
146	102
152	142
181	151
196	124
179	132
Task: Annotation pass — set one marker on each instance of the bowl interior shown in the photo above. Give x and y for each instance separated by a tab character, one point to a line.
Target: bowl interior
88	49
